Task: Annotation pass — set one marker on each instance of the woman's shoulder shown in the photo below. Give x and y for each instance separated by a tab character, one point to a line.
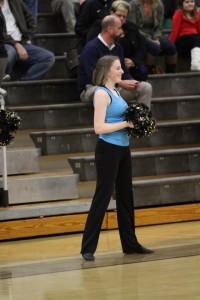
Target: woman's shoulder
102	91
102	94
178	12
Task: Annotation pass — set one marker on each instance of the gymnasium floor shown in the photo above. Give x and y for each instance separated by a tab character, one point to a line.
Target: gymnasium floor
52	268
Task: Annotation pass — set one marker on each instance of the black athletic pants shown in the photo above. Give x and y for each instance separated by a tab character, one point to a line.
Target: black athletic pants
113	165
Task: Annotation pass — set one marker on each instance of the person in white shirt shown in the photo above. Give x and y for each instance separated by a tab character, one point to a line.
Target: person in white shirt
34	61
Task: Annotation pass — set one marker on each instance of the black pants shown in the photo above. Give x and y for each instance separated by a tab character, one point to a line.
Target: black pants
186	43
113	165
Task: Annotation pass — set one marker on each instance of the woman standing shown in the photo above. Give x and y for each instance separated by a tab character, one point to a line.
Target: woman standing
113	161
186	32
148	15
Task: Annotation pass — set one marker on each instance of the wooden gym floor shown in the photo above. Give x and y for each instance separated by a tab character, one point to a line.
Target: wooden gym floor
51	268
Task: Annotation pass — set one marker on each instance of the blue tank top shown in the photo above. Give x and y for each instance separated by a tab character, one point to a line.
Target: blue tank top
115	113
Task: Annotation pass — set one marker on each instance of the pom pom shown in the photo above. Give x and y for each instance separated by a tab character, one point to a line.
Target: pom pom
9	122
141	116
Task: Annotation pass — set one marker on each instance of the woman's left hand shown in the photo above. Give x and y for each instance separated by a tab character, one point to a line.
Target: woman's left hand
130	124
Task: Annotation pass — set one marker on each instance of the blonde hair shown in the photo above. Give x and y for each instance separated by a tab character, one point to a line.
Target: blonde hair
154	3
120	5
103	65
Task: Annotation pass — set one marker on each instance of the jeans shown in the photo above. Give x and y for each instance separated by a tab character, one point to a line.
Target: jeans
165	48
37	65
32	6
69	9
142	94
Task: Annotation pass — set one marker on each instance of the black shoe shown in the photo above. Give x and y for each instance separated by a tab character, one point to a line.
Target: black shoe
140	249
88	256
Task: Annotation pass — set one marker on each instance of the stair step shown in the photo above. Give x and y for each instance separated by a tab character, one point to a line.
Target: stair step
155	191
176	107
48	209
41	91
42	187
21	161
170	132
145	162
176	84
58	43
148	192
54	115
74	114
59	70
47	22
51	91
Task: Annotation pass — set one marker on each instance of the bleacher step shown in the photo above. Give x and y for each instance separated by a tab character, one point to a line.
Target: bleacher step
167	190
58	43
172	132
149	162
81	114
21	161
51	91
48	209
42	187
159	190
46	91
148	192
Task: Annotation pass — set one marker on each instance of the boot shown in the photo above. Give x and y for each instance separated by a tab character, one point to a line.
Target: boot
195	59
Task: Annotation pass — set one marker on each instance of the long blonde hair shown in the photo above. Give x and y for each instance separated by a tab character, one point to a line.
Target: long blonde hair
154	3
103	65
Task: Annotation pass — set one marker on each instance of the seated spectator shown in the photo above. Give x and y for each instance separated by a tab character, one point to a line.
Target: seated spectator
3	53
148	15
20	28
186	32
69	10
33	7
170	6
102	45
91	10
132	42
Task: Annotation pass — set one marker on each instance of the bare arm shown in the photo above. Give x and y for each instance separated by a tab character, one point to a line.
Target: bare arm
102	100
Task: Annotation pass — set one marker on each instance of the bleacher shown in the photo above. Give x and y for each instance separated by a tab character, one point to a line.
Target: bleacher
51	162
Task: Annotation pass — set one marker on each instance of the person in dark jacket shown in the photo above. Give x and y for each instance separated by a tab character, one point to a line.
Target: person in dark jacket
102	45
132	42
90	11
3	52
32	6
20	29
170	6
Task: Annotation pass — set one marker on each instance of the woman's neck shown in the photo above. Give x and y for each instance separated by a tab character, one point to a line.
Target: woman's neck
111	87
